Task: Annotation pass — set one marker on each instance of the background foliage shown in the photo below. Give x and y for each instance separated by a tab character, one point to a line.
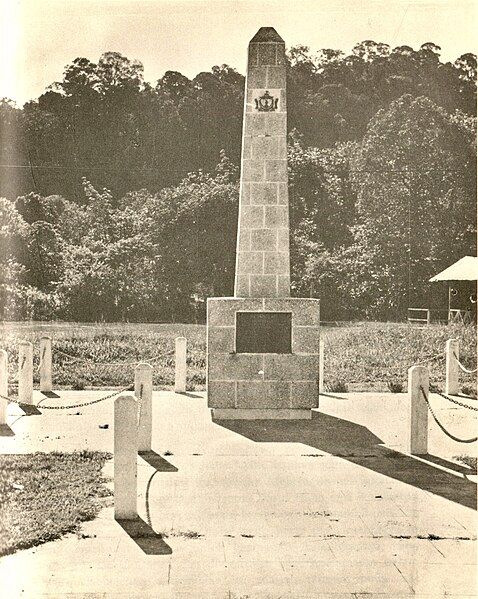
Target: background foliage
120	197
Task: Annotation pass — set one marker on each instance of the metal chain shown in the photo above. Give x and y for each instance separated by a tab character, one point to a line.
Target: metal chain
429	359
440	425
85	361
462	367
10	400
458	403
69	407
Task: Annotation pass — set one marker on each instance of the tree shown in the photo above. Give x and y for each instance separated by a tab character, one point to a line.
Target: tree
415	176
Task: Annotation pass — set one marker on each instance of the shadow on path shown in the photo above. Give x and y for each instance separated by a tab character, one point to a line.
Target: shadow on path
50	394
355	443
327	394
462	469
150	542
157	462
29	409
6	431
188	394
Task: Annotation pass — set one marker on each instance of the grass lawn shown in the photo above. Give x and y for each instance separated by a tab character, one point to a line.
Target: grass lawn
362	356
46	495
377	356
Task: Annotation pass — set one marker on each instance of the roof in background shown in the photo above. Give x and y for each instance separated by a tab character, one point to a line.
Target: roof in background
466	269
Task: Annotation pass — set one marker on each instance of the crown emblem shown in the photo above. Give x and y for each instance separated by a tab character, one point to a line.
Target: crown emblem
266	103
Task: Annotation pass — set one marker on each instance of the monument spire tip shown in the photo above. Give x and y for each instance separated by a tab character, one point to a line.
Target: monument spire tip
267	34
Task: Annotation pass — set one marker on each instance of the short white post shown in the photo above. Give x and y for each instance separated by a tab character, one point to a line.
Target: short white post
46	384
180	369
3	385
452	352
418	384
125	456
321	366
143	391
25	372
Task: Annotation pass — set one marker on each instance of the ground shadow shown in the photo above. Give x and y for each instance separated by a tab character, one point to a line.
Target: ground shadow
464	396
461	468
188	394
157	461
357	444
325	394
6	431
50	394
29	409
150	542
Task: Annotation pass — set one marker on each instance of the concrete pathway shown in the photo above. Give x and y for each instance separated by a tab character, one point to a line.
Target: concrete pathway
327	509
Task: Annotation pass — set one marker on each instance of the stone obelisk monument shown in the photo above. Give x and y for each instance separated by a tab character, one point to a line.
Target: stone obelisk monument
262	263
263	345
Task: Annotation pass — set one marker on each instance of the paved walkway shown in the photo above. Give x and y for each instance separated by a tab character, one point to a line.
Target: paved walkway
326	509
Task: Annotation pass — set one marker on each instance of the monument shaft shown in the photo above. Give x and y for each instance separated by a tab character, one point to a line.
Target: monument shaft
262	344
262	260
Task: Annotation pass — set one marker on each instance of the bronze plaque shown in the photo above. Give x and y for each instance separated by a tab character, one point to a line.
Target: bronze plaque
263	332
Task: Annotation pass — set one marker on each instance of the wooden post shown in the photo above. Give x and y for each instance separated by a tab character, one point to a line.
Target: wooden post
25	372
143	391
180	369
125	456
321	366
452	352
418	384
3	385
46	384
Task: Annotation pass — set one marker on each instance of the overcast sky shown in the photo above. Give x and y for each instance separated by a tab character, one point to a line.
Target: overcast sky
40	37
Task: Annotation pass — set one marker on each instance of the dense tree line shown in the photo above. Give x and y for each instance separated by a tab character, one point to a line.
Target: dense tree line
115	206
102	121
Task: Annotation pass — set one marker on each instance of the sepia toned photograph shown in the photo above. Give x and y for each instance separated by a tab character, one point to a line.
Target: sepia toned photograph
238	299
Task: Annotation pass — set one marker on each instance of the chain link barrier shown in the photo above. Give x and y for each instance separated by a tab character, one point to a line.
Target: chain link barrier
440	425
94	401
462	367
85	361
455	401
429	359
71	406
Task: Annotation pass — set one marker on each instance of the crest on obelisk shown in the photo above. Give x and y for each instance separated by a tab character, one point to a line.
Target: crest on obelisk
266	102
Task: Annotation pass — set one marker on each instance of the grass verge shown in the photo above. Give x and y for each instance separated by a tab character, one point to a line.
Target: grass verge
359	356
43	496
376	356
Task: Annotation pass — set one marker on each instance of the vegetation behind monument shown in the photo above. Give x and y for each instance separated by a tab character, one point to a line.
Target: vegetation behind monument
382	162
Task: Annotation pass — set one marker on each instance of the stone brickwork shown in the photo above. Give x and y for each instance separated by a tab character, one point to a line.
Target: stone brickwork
279	377
264	385
262	263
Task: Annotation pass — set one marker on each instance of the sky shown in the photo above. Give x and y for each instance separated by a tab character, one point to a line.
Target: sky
38	38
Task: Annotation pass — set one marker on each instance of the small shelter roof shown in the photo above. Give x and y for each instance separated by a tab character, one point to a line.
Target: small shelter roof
466	269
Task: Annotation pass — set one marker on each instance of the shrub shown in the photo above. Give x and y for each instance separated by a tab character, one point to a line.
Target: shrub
336	386
395	386
469	390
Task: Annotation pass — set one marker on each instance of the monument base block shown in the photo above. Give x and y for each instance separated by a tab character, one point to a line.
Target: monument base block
262	357
271	414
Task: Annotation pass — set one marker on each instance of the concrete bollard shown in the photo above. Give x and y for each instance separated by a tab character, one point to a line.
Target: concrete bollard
25	372
452	352
125	456
46	384
321	366
143	391
418	379
180	369
3	385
